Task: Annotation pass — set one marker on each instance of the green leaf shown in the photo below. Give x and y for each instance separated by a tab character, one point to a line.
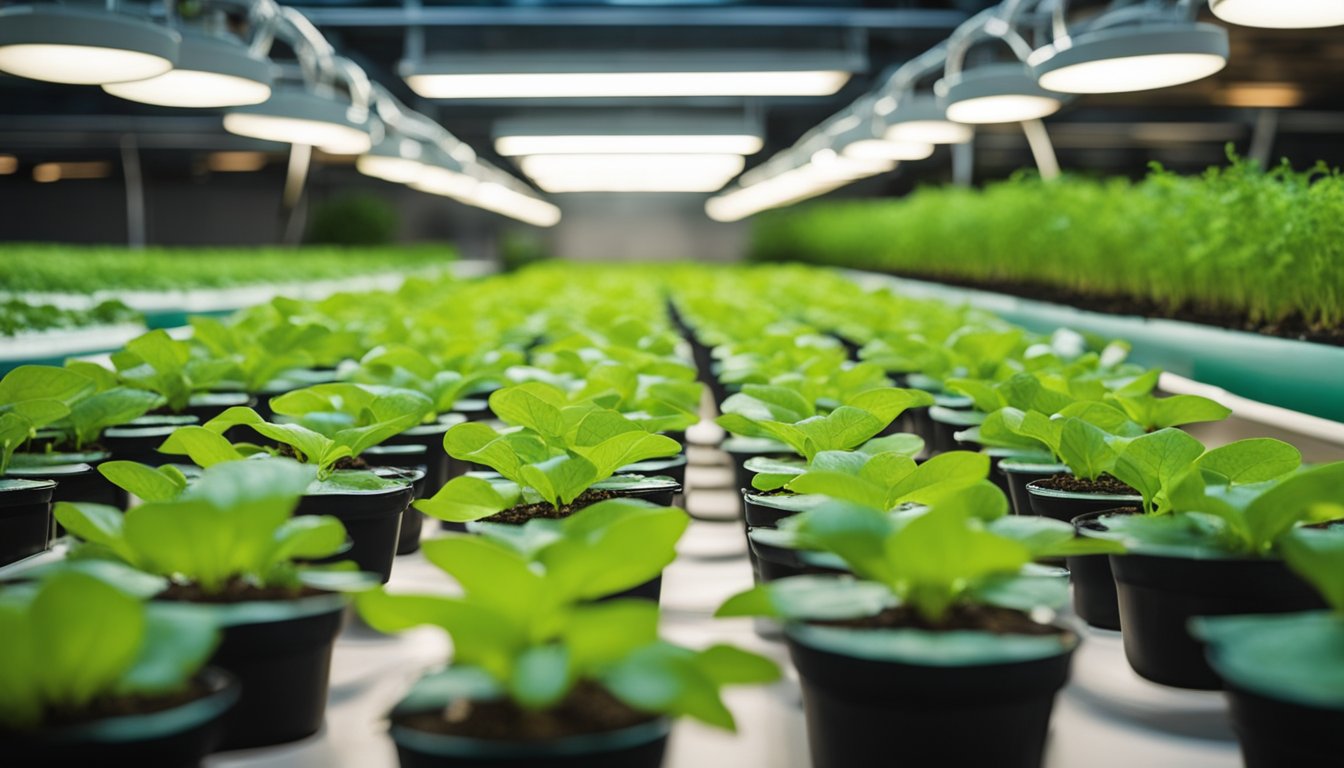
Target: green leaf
1252	460
1023	593
146	482
560	480
1318	557
1045	537
1084	448
1186	409
43	382
1150	463
900	443
541	676
204	447
854	533
97	524
800	598
89	634
612	546
624	449
843	429
886	403
534	405
464	499
1292	657
597	634
782	403
91	415
667	679
726	665
1294	499
179	640
489	572
308	537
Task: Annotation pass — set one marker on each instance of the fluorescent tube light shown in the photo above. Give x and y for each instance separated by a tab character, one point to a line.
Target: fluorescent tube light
923	120
743	144
398	160
631	172
881	149
83	46
525	75
1135	58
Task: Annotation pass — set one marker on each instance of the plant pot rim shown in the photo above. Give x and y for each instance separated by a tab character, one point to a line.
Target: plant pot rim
403	485
833	639
20	484
1209	556
801	501
1053	493
756	446
588	743
50	471
58	458
398	448
219	397
272	611
1005	453
1028	467
223	694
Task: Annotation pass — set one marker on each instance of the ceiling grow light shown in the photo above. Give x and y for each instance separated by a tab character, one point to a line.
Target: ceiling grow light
295	115
83	46
996	93
1131	58
923	120
1280	14
396	159
211	71
632	172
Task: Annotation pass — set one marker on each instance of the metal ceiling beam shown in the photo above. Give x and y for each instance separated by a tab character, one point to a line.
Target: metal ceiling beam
839	18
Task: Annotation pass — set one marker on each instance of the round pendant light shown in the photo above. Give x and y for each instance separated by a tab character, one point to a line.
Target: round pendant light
398	160
211	71
1135	58
83	46
1280	14
297	116
878	150
996	93
922	120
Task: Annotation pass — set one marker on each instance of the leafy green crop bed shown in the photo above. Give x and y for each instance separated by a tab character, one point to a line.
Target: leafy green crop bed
17	316
82	269
1237	246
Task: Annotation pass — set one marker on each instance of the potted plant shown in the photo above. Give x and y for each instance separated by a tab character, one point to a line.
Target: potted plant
1283	674
558	458
69	449
263	347
184	377
1215	554
368	504
94	675
783	414
229	541
332	408
542	678
941	634
628	535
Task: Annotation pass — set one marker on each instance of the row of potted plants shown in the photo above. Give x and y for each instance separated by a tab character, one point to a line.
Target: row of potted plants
1078	437
587	386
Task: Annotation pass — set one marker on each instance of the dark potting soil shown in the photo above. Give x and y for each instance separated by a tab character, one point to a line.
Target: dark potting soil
1290	328
986	618
588	708
1071	484
235	591
521	514
123	706
345	462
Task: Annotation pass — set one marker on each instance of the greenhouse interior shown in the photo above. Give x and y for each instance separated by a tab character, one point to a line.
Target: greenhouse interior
680	383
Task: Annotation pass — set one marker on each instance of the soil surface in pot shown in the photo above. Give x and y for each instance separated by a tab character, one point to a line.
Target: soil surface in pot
984	618
1071	484
588	708
236	591
524	512
126	706
1095	524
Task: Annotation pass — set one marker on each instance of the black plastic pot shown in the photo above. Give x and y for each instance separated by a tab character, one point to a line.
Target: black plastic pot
1159	595
739	450
649	590
1093	583
140	439
758	512
945	422
281	654
1018	474
405	459
775	562
662	496
1275	733
1066	505
179	737
865	712
207	405
475	409
372	520
436	462
998	455
25	518
640	746
76	475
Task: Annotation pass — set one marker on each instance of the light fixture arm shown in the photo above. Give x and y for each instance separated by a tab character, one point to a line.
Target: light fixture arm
999	22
